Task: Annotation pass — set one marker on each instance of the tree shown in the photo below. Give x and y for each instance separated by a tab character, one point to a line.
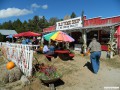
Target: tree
53	21
36	21
30	25
36	24
66	17
82	16
73	15
0	26
1	38
25	26
17	25
43	23
7	25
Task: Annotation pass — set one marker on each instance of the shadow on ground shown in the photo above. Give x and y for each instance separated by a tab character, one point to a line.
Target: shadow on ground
89	66
56	83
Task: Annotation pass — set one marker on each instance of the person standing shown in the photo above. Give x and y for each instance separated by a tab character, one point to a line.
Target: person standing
28	41
95	50
24	41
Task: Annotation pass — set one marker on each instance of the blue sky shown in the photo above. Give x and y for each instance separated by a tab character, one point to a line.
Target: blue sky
27	9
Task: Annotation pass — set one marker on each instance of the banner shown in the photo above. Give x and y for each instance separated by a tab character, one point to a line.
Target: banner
69	24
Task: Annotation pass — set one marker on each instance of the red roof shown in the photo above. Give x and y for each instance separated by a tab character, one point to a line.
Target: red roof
91	22
101	21
49	29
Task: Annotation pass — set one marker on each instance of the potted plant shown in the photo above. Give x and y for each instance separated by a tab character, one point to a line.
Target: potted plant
48	73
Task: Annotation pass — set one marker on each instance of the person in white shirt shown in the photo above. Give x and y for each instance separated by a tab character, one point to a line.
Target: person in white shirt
45	49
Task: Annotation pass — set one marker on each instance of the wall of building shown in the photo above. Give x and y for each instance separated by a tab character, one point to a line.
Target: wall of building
101	21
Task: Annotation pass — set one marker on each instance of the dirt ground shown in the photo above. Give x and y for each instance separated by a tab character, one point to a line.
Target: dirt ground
77	74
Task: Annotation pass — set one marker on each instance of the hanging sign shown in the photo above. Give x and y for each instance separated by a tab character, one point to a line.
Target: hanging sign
69	24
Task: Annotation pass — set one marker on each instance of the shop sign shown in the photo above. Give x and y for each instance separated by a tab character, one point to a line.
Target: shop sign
69	24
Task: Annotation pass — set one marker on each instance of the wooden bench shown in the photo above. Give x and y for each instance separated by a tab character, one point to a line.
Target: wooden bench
48	56
62	51
71	55
65	54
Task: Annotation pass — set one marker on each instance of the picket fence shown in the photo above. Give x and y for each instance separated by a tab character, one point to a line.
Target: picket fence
26	46
21	55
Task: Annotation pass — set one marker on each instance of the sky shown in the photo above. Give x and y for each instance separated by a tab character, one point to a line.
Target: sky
27	9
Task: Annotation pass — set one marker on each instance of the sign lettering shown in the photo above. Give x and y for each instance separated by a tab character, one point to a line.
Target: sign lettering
69	24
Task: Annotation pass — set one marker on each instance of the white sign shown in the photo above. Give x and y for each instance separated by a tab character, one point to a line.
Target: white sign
111	88
78	47
69	24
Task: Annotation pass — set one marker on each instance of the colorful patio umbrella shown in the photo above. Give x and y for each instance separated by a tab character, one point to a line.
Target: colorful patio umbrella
48	36
58	36
27	34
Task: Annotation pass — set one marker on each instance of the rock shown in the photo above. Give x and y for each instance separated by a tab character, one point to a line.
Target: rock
25	80
7	76
17	85
18	73
4	78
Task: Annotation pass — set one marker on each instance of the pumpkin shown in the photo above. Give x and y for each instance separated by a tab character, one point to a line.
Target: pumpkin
82	55
88	52
10	65
41	48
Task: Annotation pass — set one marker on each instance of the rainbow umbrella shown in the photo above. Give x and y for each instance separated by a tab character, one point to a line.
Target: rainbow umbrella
48	36
58	36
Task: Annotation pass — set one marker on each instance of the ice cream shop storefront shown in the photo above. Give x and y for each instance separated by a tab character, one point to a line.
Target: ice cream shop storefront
106	30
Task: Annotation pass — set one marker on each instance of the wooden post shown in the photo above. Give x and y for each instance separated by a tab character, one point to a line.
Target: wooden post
67	45
83	33
112	31
51	86
84	40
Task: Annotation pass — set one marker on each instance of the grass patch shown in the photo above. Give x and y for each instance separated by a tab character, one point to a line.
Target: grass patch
115	62
2	61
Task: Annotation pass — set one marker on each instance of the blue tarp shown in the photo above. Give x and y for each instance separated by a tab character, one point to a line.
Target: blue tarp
9	36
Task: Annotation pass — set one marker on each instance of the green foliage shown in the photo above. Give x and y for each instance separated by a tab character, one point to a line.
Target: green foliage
73	15
82	15
72	51
66	17
114	62
17	25
53	21
7	25
35	24
1	38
